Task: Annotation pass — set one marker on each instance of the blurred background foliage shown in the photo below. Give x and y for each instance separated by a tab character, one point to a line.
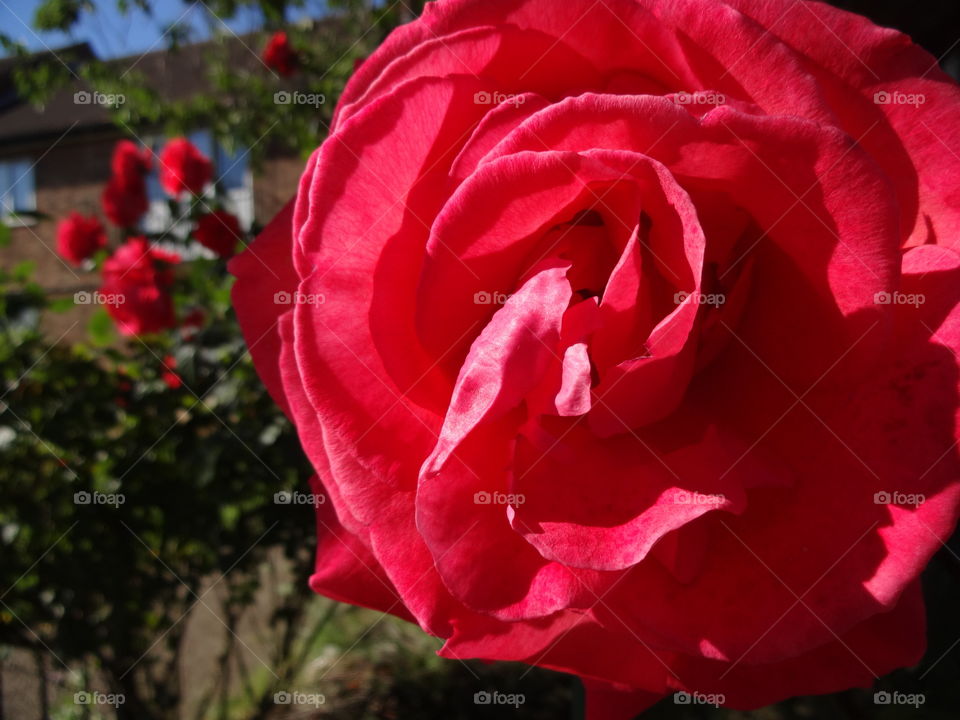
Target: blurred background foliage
102	595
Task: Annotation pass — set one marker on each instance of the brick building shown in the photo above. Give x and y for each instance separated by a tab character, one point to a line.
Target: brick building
56	159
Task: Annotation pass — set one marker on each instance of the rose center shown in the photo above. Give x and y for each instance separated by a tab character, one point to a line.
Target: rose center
587	243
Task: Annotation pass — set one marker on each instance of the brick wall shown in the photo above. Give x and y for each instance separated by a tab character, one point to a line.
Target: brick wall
275	185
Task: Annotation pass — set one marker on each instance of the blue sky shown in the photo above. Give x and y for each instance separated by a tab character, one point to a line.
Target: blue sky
113	34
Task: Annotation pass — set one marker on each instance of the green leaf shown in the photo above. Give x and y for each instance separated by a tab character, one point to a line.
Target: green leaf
23	270
58	14
61	305
100	328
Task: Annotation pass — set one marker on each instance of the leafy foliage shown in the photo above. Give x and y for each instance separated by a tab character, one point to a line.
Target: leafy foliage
139	474
122	495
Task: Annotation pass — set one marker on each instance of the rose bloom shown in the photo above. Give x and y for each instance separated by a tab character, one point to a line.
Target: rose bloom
193	321
279	55
219	231
636	355
130	161
139	277
183	168
79	237
124	201
168	374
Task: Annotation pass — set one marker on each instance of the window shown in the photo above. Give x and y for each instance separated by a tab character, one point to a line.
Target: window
230	171
17	189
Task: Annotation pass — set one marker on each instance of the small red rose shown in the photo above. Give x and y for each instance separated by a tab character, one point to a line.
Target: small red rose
219	231
183	168
170	378
279	55
137	279
124	201
79	237
130	161
192	323
124	388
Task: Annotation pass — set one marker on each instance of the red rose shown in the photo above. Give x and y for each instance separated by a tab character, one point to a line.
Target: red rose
218	231
621	336
192	323
169	377
130	162
124	201
183	168
79	237
279	55
137	280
